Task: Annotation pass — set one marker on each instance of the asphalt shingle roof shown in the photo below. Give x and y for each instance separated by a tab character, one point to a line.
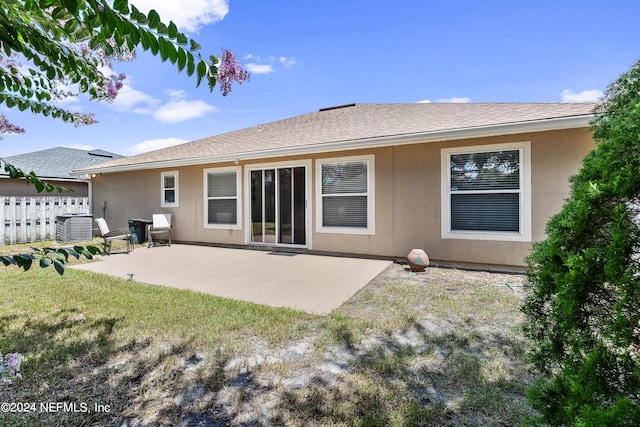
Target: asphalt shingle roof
358	122
59	162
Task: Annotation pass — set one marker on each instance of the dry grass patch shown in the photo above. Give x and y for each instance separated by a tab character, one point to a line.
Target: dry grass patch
438	348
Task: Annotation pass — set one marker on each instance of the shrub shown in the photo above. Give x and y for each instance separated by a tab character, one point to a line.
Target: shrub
583	310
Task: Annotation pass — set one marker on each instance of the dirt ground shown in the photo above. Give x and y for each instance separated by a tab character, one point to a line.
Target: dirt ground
440	354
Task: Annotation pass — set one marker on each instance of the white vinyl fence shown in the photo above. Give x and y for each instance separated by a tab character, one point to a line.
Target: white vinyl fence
33	219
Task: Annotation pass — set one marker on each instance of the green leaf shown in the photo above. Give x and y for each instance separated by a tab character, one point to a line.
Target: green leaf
144	39
45	262
182	59
172	30
162	48
14	172
201	70
194	45
110	20
25	264
94	250
121	6
73	253
138	16
154	19
149	42
191	66
71	5
133	36
168	50
6	260
39	186
70	26
59	267
60	13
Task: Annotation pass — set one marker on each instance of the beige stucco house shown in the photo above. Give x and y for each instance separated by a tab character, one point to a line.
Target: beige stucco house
468	183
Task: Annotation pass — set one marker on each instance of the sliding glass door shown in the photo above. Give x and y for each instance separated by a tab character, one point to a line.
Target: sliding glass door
278	206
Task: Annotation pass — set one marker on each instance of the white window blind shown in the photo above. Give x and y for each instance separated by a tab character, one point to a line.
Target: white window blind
345	193
485	191
222	197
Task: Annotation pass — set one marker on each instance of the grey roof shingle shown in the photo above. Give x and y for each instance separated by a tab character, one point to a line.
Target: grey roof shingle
357	122
59	162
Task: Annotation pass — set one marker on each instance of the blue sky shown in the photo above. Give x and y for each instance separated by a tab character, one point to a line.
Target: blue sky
309	54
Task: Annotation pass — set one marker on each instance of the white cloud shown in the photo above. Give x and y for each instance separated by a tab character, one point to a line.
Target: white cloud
130	99
176	93
177	109
154	144
454	100
261	65
593	95
287	62
182	110
188	15
259	68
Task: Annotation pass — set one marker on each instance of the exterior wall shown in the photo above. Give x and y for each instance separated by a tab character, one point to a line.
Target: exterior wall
380	243
16	187
138	195
555	156
407	199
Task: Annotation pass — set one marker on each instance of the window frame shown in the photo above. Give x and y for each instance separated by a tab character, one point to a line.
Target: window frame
370	229
238	198
163	189
525	214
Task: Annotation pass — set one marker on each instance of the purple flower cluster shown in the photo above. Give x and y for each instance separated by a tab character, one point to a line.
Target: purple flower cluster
85	49
80	119
8	127
10	367
113	86
228	70
12	66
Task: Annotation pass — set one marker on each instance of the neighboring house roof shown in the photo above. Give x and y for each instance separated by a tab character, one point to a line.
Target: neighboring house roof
363	126
59	162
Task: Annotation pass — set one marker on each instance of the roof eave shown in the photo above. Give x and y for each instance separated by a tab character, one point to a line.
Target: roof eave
560	123
81	177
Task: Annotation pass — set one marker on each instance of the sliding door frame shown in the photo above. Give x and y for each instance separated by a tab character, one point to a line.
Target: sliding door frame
307	164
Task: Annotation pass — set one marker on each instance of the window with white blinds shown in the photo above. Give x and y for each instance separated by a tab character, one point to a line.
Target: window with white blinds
486	192
169	186
222	205
345	189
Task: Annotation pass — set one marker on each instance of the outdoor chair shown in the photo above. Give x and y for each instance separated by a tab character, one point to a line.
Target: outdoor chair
110	236
161	226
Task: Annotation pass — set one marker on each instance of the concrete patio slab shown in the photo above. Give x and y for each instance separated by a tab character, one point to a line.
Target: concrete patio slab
312	283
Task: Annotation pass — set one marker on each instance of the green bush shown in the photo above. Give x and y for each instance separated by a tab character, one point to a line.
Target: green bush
583	310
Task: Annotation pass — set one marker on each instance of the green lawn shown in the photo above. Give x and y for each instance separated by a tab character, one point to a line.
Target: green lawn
432	349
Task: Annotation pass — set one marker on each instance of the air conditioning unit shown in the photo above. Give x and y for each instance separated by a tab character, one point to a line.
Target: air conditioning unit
74	227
